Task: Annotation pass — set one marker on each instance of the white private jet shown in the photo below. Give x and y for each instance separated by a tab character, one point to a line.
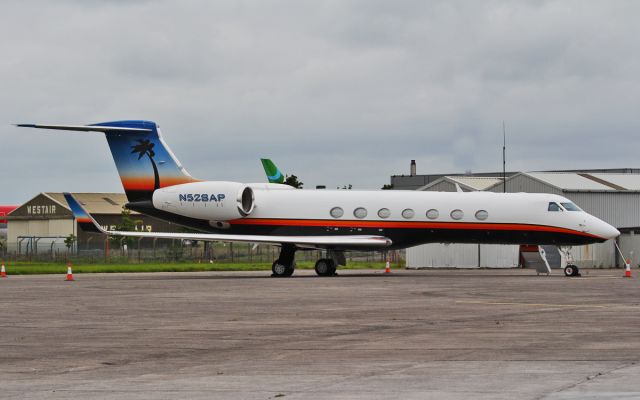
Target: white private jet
157	184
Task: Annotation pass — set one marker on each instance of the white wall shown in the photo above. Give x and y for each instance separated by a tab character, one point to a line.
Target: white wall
598	255
630	243
437	255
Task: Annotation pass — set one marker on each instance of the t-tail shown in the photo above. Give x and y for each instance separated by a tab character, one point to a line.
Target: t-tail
144	161
273	173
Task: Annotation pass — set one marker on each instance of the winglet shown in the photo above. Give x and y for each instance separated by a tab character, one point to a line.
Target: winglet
273	173
84	219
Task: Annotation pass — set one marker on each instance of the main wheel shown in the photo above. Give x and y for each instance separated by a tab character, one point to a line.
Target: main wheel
570	270
280	270
325	267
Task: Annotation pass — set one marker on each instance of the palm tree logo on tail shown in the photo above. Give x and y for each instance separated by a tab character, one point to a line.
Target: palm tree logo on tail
145	147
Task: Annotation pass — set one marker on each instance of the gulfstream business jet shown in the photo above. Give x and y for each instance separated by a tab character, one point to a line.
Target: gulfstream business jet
157	184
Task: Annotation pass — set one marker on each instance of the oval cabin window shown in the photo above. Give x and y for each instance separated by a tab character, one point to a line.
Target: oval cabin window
433	214
457	214
360	212
384	213
336	212
408	213
482	215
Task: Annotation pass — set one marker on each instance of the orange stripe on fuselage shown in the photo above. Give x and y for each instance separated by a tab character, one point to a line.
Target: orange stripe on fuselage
407	225
146	183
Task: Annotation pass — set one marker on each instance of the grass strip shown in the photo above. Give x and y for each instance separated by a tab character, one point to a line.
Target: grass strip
28	268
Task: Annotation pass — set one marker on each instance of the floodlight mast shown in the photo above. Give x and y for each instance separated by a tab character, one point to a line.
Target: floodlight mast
504	158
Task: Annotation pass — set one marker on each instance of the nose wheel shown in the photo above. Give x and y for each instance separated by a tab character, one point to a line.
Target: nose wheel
571	270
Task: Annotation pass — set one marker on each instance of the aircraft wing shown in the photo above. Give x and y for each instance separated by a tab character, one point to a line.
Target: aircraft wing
84	218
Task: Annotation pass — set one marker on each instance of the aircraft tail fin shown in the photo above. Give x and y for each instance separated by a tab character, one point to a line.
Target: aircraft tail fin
144	161
273	173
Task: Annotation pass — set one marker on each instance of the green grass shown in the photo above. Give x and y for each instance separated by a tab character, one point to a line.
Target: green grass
28	268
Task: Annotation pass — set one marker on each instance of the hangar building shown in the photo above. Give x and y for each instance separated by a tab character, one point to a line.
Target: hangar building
4	210
611	195
42	223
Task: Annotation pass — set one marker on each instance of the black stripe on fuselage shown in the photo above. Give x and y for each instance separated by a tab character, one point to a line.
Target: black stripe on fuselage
401	237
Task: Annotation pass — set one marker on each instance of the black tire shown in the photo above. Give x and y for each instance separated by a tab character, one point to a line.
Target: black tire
290	269
332	271
570	270
325	267
576	271
280	270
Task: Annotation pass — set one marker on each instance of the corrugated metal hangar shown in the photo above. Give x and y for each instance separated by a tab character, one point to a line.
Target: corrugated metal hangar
46	221
611	195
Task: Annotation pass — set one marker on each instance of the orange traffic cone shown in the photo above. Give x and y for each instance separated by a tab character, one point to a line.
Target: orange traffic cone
627	271
3	273
69	273
387	268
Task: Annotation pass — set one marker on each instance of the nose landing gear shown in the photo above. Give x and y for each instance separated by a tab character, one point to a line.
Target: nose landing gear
571	270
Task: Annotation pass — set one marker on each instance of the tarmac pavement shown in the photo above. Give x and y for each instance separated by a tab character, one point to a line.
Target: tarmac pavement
445	334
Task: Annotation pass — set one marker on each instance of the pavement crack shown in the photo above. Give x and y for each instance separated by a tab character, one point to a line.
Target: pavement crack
589	378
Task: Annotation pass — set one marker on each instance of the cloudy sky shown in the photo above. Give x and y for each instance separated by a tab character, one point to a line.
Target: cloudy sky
336	92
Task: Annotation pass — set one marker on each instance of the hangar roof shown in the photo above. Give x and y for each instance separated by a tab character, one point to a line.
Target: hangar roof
471	183
568	181
577	181
476	182
561	181
95	203
626	181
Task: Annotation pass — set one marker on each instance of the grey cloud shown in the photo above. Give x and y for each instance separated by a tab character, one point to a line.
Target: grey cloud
336	92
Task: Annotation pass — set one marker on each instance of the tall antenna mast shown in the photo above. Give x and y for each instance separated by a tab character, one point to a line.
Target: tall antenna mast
504	158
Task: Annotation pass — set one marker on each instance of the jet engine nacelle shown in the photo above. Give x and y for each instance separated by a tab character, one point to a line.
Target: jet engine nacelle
213	201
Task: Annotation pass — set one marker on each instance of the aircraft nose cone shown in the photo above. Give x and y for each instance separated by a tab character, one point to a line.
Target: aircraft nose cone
614	232
606	231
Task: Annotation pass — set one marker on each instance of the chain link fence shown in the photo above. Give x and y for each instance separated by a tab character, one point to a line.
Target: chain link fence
169	251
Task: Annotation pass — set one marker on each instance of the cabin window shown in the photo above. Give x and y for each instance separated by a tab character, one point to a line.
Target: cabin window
408	213
384	213
482	215
554	207
570	207
433	214
457	214
360	212
336	212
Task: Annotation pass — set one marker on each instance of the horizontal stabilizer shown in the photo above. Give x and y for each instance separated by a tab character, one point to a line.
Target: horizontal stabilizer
303	241
85	128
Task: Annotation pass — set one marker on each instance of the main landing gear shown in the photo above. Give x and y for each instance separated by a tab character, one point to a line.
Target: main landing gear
285	265
325	267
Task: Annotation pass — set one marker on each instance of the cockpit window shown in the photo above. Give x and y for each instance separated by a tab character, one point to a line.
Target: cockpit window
554	207
570	207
